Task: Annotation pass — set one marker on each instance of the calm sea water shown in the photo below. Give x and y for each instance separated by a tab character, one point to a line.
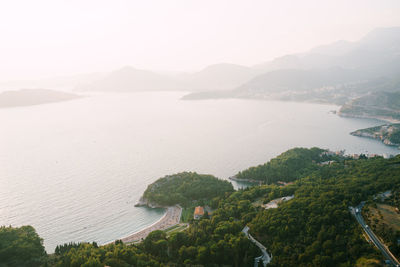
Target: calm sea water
74	170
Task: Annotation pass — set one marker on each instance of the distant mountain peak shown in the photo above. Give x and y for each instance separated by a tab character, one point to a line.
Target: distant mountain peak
336	48
388	37
221	76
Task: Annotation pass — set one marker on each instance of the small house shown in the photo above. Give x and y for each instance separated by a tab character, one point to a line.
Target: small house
198	212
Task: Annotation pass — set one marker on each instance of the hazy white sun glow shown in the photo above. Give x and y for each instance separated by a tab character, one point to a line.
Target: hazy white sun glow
53	37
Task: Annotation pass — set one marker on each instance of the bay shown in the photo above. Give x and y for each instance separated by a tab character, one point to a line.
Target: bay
75	169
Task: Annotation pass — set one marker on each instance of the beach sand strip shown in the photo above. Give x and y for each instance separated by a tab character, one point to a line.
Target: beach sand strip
171	217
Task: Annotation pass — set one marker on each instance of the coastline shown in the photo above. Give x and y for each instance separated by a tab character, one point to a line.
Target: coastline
171	217
378	118
385	141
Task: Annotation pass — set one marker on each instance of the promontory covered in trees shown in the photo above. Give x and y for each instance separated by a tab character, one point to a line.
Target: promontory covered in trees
184	188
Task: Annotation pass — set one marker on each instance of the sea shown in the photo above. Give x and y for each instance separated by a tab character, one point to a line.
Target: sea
74	170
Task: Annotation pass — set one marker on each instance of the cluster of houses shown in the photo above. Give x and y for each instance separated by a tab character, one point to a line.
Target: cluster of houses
357	156
354	156
333	153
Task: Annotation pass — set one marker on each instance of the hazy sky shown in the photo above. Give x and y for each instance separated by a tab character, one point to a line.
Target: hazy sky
53	37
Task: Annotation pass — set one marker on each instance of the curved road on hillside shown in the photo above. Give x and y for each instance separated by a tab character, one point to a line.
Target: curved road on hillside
385	251
265	257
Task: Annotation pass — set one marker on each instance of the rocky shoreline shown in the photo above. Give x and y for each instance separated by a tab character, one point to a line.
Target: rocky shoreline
143	202
383	133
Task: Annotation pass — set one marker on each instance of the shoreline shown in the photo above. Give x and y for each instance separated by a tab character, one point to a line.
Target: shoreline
378	118
383	141
171	217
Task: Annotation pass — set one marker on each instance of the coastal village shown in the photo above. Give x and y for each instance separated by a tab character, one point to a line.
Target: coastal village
341	153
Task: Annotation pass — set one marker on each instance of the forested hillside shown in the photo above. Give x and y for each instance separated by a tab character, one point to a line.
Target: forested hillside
315	228
288	166
21	247
184	188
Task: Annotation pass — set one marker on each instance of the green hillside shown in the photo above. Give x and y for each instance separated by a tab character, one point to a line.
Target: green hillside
315	228
184	188
287	167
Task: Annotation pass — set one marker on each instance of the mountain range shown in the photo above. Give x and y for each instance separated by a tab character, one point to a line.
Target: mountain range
215	77
334	73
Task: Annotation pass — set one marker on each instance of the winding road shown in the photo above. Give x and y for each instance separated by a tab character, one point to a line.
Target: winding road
266	258
356	212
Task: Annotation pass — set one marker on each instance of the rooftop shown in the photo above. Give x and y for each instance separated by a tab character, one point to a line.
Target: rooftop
199	211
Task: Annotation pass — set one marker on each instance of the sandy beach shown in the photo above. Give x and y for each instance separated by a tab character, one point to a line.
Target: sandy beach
170	218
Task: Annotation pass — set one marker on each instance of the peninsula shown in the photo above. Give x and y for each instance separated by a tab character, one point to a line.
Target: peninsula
389	134
185	189
383	106
30	97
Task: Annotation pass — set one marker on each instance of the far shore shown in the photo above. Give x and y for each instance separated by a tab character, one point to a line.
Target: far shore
171	217
379	118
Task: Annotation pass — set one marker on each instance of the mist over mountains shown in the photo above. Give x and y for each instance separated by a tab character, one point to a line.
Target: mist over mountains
214	77
131	79
340	70
380	47
332	73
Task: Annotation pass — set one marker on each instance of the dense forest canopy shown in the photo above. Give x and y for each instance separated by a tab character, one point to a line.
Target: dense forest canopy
21	247
315	228
288	166
184	188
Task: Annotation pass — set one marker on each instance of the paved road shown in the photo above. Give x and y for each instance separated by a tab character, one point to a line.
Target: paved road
385	251
266	258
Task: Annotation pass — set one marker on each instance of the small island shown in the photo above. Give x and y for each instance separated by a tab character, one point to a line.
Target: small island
389	134
30	97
